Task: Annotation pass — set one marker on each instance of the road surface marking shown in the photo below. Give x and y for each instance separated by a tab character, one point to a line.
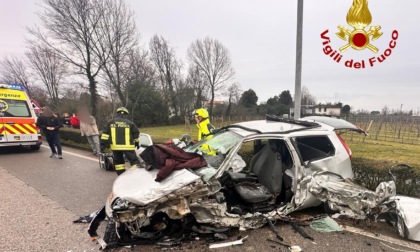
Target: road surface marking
381	237
74	154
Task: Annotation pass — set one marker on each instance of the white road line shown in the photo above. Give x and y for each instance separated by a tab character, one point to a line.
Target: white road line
75	154
384	238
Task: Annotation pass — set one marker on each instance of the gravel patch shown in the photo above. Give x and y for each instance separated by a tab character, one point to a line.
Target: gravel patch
33	222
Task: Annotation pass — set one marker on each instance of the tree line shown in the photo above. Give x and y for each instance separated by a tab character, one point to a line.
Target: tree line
88	53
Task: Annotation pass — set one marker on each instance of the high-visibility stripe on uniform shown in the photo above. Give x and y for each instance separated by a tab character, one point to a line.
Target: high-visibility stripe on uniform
113	136
122	147
120	167
127	135
104	137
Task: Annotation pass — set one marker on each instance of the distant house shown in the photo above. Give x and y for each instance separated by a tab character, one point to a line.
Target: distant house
215	102
326	109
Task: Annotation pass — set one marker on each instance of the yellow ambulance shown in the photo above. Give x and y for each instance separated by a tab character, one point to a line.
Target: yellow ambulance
17	118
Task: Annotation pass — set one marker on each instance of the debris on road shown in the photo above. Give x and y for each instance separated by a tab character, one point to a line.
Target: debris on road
301	231
220	236
280	243
87	218
325	224
295	249
278	236
169	242
227	244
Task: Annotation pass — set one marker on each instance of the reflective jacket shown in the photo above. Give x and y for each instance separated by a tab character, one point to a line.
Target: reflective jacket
120	133
204	128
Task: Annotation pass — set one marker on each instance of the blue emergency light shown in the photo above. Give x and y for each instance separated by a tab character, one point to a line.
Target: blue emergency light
12	86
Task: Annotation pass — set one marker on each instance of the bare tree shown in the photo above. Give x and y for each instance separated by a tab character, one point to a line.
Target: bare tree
121	36
72	30
198	82
213	59
163	56
233	93
307	97
139	75
49	69
14	71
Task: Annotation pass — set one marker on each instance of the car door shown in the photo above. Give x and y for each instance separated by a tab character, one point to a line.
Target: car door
145	140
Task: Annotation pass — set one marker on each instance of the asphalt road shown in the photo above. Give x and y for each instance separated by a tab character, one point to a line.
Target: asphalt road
41	196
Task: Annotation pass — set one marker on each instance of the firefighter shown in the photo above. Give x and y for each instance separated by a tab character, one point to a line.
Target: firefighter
205	128
122	136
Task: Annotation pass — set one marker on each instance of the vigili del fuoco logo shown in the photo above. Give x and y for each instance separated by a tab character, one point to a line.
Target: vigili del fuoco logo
359	37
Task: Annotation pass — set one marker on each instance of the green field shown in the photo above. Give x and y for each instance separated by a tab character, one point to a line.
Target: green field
386	151
164	133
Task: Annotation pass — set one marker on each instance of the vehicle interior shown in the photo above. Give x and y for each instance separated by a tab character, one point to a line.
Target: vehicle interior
263	184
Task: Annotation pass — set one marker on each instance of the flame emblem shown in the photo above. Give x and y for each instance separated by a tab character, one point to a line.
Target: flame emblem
359	18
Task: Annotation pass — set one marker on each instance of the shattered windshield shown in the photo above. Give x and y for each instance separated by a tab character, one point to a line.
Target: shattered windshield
220	143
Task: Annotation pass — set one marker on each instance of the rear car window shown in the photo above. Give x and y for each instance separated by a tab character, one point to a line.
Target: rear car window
15	108
314	147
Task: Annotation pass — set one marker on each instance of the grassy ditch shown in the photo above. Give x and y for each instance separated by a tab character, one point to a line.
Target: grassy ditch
376	161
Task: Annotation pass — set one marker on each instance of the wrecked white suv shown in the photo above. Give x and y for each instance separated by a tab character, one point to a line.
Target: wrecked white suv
257	170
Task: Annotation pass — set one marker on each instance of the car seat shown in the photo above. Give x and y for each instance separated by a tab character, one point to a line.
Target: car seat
267	165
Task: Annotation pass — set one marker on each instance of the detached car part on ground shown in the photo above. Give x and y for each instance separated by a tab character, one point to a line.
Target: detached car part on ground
262	170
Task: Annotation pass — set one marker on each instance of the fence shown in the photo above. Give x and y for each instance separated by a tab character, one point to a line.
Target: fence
390	128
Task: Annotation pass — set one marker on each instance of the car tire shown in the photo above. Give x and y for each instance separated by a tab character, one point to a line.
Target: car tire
35	147
111	236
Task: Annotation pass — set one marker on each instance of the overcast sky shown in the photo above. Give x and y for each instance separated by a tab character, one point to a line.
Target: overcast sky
261	37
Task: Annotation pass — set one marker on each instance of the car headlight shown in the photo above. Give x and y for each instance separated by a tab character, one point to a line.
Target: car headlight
120	204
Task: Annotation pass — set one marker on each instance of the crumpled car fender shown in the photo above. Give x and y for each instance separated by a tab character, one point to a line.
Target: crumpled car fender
347	197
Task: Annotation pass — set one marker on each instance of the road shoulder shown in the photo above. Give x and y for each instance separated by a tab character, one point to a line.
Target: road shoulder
33	222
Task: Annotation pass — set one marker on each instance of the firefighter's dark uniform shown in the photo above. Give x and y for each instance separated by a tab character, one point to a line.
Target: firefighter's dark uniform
122	136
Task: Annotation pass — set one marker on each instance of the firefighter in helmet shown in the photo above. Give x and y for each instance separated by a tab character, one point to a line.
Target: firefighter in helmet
205	128
122	136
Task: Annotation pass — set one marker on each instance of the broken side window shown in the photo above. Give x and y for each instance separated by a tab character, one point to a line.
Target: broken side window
314	147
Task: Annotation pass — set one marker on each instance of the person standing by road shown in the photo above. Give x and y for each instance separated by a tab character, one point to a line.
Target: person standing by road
205	128
122	136
89	129
50	125
74	121
66	118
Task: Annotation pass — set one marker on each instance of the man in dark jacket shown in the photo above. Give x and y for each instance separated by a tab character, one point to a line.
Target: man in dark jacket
122	136
50	124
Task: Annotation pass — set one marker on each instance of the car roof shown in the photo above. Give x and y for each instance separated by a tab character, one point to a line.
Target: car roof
269	126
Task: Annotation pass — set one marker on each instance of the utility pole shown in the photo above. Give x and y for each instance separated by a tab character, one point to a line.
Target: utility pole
298	73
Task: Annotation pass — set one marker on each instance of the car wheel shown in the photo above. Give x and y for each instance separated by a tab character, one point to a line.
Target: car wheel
111	236
35	147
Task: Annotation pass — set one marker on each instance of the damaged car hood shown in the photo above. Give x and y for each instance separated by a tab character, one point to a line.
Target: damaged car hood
127	185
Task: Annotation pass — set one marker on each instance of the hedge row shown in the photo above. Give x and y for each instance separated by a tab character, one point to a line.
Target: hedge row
72	135
369	173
